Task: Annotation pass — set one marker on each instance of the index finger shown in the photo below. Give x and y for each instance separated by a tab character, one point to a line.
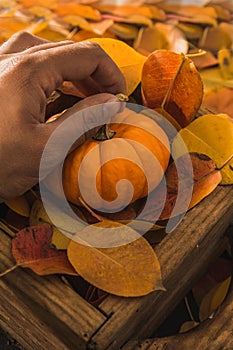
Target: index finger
78	62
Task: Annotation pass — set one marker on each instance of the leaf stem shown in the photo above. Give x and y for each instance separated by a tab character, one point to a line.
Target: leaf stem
168	94
9	270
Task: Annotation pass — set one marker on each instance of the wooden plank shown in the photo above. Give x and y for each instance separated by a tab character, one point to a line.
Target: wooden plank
215	333
42	312
184	255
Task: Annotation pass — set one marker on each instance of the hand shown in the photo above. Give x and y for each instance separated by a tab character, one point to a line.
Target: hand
30	70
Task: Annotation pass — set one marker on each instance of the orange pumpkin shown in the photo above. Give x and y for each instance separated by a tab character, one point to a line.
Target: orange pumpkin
95	167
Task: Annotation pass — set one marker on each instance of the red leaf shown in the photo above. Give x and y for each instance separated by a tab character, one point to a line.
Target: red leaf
32	248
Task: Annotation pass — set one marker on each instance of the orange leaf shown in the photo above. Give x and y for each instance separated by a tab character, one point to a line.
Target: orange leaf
51	4
78	10
129	10
32	248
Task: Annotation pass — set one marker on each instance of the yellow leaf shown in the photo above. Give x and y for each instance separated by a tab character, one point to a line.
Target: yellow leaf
150	39
59	240
40	11
124	31
51	35
128	270
191	31
214	299
37	27
212	77
9	26
225	59
211	134
127	59
77	21
38	216
19	205
187	326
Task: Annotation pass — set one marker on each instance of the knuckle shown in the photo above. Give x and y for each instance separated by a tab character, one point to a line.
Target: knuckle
22	37
91	45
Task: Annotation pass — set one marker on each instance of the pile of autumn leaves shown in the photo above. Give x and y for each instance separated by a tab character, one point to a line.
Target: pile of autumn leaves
209	140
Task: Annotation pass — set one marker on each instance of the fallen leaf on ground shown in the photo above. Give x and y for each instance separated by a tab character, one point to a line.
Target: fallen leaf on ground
210	134
127	270
32	248
201	179
19	205
127	59
210	291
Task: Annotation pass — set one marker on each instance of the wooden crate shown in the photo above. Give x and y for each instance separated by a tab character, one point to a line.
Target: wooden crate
42	312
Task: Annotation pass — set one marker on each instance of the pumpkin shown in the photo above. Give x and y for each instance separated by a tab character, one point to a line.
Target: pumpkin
122	152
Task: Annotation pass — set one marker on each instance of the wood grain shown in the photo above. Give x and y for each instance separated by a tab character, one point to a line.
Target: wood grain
215	333
184	256
42	312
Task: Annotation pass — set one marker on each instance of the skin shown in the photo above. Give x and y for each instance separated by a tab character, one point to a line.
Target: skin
30	70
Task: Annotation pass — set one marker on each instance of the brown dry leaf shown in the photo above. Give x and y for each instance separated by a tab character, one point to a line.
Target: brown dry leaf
69	88
210	291
204	61
138	20
214	39
202	178
127	59
214	299
32	248
205	178
19	205
150	39
219	100
84	11
189	10
102	26
198	19
127	270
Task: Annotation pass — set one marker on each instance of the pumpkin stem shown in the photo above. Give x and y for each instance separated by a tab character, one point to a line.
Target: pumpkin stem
104	133
168	94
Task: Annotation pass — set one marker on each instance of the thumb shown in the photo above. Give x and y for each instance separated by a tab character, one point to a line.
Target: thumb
73	127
